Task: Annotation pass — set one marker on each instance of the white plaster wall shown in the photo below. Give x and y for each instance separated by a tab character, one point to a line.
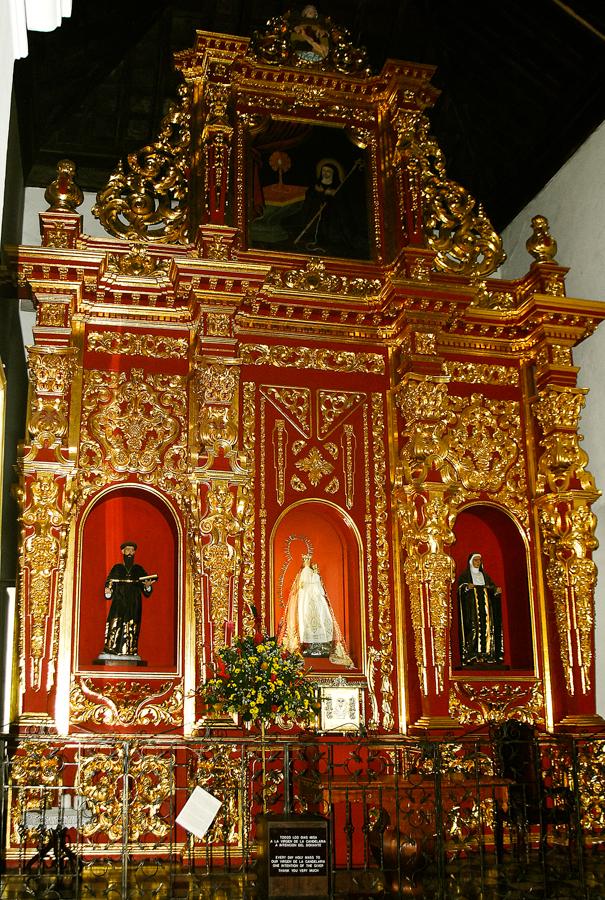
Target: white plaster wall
16	17
35	204
574	204
13	45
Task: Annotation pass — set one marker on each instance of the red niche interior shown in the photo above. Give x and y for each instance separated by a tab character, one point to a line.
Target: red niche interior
336	551
129	515
490	532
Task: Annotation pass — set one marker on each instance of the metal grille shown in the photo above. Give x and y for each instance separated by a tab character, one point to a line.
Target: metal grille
513	815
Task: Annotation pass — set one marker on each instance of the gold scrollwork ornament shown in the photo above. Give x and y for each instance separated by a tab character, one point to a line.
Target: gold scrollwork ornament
147	200
455	226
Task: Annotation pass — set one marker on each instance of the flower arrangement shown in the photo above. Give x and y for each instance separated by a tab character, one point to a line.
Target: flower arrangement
259	680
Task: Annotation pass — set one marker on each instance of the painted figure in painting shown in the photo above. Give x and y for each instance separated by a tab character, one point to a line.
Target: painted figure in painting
309	625
480	609
125	586
329	226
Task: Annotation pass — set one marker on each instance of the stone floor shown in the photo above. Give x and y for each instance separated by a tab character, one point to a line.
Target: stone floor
558	876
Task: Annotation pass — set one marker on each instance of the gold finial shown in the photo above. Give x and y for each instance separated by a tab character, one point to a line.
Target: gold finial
63	193
541	244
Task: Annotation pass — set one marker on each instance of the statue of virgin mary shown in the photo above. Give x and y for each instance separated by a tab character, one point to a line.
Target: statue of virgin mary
309	625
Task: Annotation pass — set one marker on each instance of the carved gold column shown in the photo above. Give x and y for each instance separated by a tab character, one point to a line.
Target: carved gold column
222	498
565	491
45	496
216	138
426	518
429	573
221	558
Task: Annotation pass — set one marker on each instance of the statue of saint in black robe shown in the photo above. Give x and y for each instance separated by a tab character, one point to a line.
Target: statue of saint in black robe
125	586
480	610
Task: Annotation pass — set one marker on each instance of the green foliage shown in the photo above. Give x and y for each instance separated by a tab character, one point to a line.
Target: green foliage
260	681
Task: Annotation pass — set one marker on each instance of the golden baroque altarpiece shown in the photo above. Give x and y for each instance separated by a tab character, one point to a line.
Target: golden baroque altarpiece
233	370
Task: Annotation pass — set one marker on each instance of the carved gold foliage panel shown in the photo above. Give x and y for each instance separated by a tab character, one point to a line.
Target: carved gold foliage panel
216	383
216	389
383	561
129	344
52	314
483	442
312	358
333	407
47	424
293	402
313	440
562	460
249	495
134	423
51	370
481	373
476	443
100	782
315	466
126	703
314	278
494	704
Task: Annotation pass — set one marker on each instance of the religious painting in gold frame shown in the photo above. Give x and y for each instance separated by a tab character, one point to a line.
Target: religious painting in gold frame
308	190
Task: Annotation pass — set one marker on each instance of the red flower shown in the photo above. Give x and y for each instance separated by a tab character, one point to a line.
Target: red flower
258	638
221	670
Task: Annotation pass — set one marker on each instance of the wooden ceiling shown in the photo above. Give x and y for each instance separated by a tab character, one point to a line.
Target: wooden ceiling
522	81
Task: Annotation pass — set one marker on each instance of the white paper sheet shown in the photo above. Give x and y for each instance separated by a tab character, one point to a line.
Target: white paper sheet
199	812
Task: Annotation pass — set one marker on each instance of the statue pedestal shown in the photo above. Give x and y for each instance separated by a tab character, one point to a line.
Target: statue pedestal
117	659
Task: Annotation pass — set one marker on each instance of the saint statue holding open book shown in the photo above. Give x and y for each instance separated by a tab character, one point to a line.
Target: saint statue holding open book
125	586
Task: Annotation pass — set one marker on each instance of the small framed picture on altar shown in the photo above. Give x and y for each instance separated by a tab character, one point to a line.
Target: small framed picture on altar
340	708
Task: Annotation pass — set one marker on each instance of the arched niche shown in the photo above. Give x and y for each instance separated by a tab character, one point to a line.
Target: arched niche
485	529
129	513
335	543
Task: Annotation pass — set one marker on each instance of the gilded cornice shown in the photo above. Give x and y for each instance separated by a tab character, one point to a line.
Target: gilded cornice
113	279
321	317
209	48
223	55
522	329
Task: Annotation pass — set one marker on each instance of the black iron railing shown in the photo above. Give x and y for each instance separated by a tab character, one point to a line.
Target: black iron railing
493	816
